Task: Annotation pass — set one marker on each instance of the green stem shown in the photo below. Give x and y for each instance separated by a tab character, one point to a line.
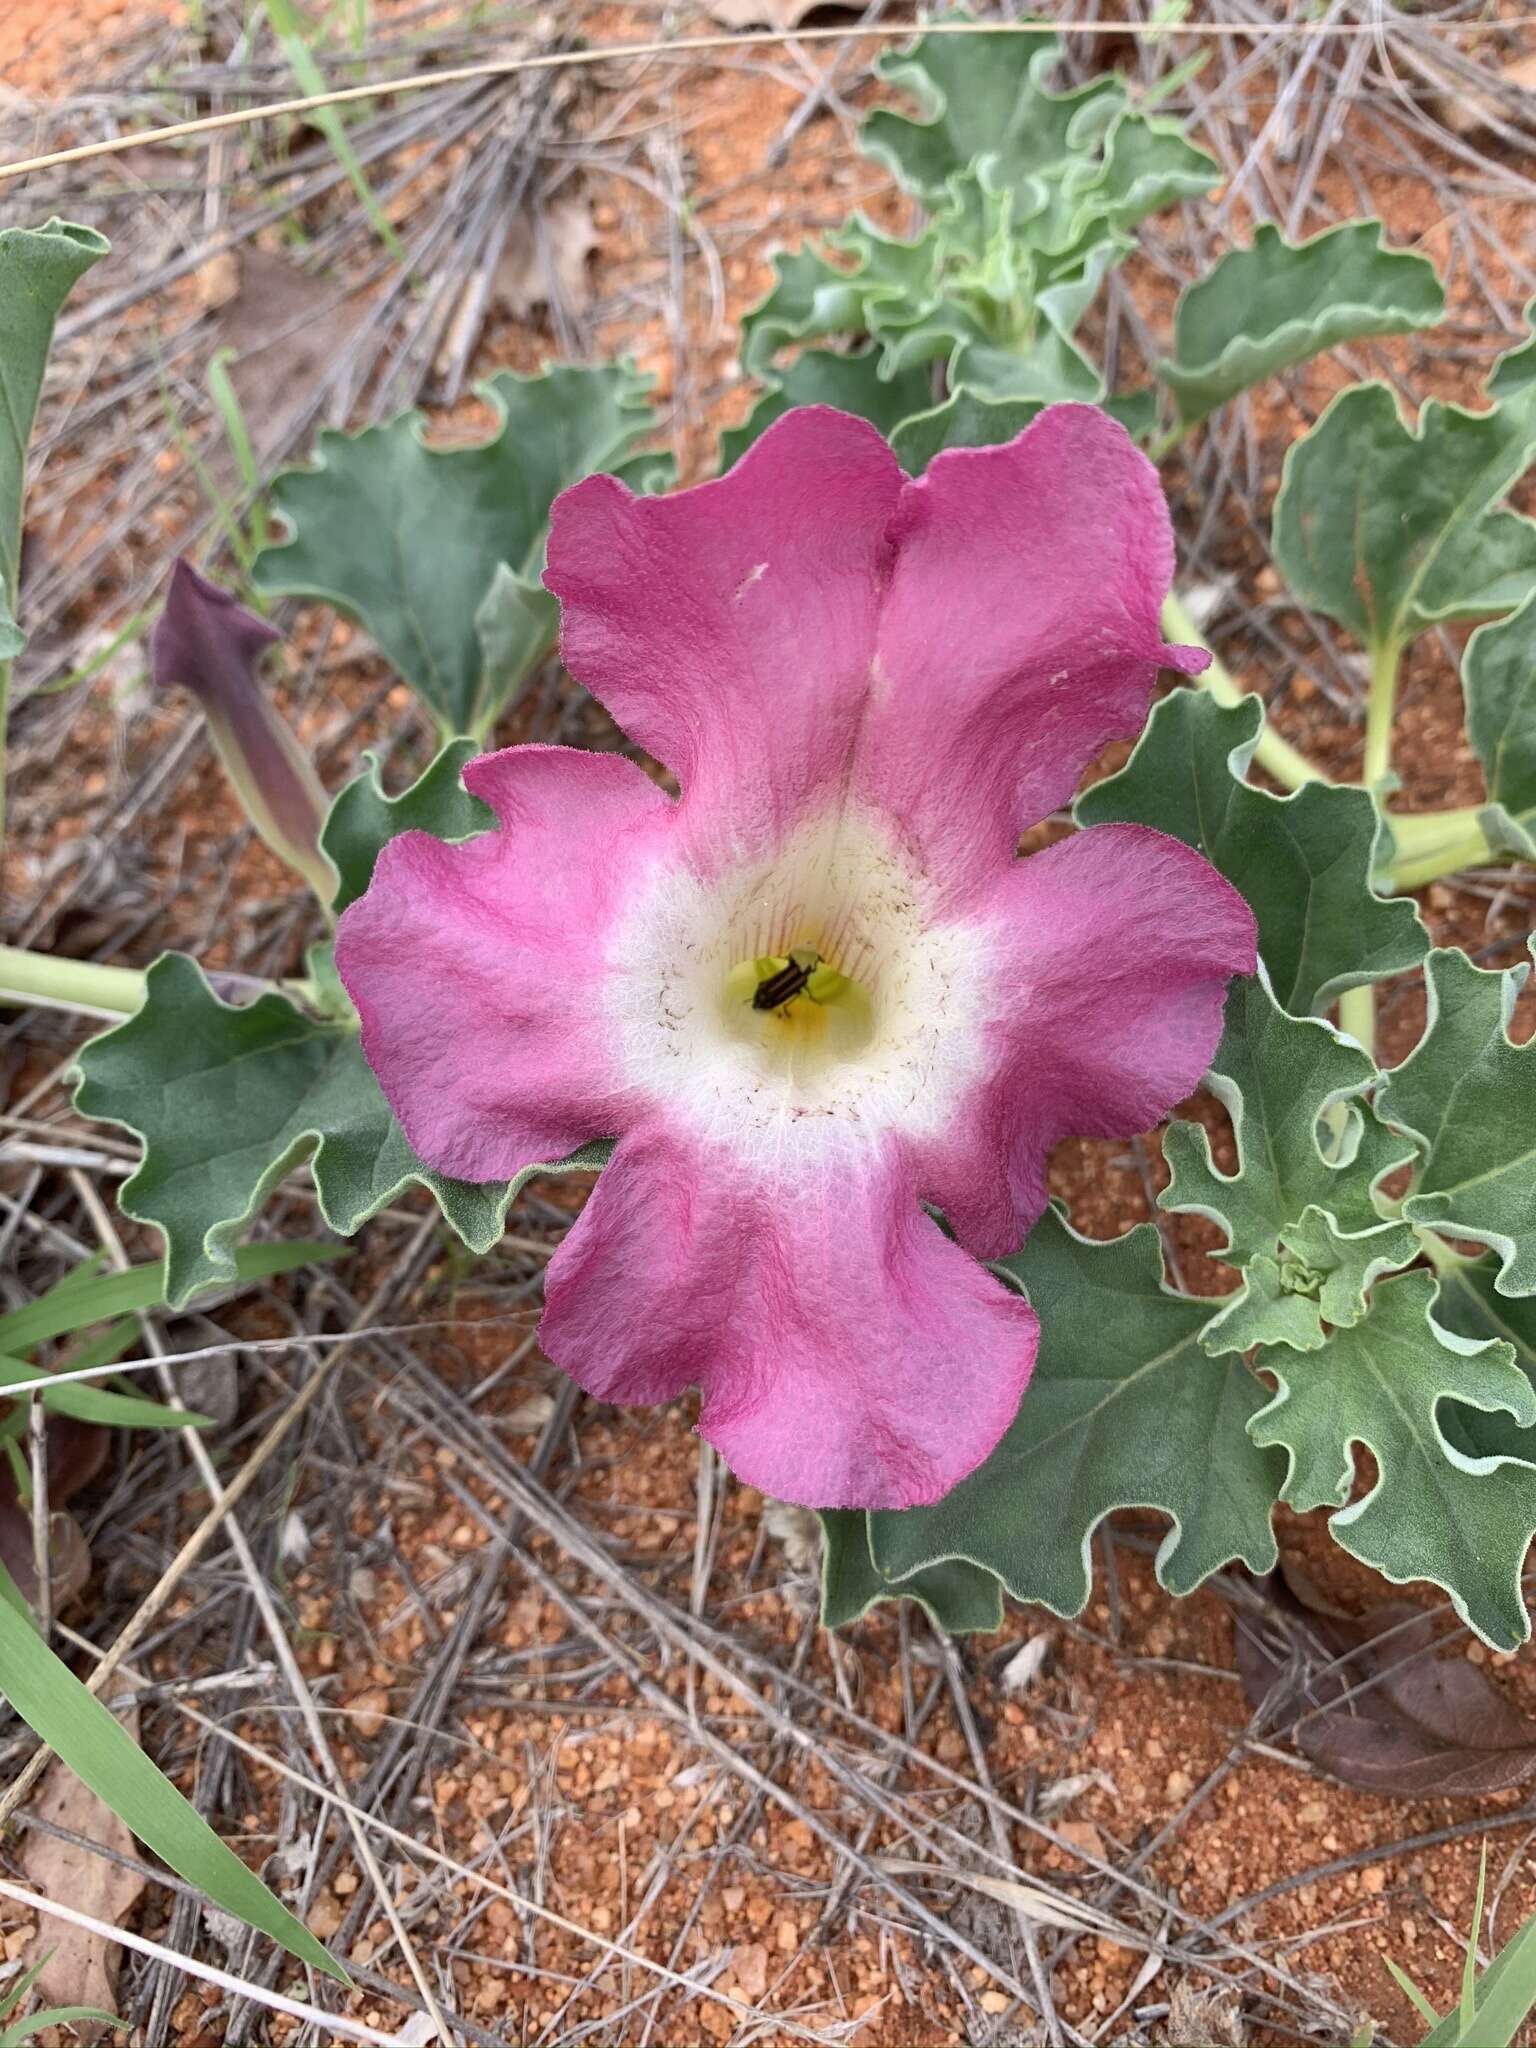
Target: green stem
1357	1016
59	984
1430	844
1287	764
1379	708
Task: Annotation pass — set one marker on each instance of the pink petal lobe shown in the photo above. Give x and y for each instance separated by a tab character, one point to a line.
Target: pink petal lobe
1116	947
729	628
849	1354
1019	635
474	967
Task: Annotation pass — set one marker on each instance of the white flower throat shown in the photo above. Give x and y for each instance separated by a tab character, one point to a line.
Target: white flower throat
802	1003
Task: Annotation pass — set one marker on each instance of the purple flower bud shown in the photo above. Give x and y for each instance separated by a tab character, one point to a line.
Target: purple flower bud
210	644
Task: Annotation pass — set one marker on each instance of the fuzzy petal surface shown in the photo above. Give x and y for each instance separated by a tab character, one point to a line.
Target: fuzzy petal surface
472	967
1119	943
1019	635
849	1354
730	628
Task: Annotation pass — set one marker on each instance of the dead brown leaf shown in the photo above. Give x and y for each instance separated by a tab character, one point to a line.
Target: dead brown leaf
287	328
544	257
1466	111
81	1967
1414	1724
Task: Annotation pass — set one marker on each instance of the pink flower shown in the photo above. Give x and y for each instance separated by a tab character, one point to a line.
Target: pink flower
817	991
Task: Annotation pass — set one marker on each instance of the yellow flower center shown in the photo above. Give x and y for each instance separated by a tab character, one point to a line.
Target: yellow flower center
797	1002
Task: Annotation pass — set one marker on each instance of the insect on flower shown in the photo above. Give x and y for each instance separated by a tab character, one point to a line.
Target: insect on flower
818	994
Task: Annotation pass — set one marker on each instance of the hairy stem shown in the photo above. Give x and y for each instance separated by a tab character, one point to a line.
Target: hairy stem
1429	844
1287	764
1357	1016
1379	708
58	984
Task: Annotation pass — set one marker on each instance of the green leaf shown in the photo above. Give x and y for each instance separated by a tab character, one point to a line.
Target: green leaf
821	376
1265	308
408	539
812	298
94	1744
363	818
955	1596
39	267
1390	528
1300	1222
85	1296
1434	1513
985	95
1498	677
965	420
1125	1409
1303	862
93	1403
1468	1094
225	1101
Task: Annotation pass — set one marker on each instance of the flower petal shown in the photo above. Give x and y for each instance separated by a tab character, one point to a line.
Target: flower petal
474	967
849	1354
729	628
1019	635
1117	945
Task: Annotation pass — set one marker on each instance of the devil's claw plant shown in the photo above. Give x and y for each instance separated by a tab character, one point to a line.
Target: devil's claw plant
786	982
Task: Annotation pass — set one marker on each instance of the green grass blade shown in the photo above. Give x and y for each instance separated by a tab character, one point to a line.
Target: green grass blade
1469	1968
73	1303
1506	1995
59	2016
1412	1993
17	1995
100	1405
310	79
98	1749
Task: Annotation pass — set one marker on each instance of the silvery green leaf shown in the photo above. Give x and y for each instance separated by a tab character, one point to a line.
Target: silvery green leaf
1265	308
820	376
1467	1092
1125	1409
1299	1213
1390	528
1436	1512
363	818
1304	862
1498	679
407	538
955	1596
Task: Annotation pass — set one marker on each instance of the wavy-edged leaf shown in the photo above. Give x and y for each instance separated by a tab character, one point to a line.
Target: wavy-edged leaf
94	1744
408	538
1303	862
823	376
1470	1304
225	1101
1265	308
1125	1409
1498	677
1299	1218
364	818
1435	1512
986	95
956	1596
812	298
1467	1092
970	419
1390	529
